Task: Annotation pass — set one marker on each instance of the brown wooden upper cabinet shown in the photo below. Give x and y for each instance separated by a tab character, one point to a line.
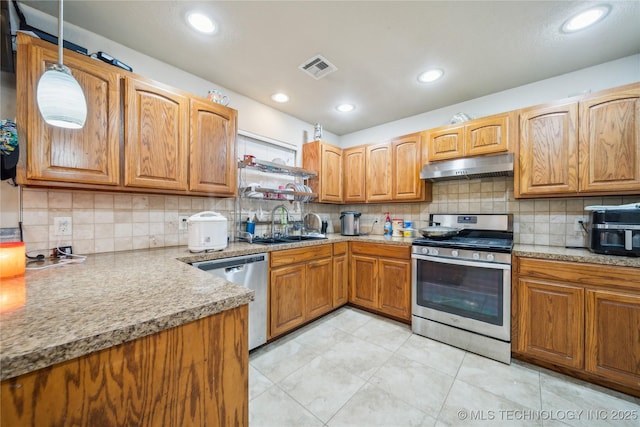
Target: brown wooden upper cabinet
174	142
405	169
212	142
609	140
585	146
90	155
354	174
325	159
385	172
156	135
379	173
487	135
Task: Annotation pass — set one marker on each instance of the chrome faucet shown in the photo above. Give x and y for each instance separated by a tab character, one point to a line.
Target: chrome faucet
284	222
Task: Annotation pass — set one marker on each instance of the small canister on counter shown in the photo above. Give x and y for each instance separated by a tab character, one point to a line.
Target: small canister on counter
408	229
397	225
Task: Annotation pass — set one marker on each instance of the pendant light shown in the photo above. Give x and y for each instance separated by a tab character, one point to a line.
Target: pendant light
60	98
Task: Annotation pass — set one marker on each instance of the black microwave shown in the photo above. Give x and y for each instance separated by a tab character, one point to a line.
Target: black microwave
615	232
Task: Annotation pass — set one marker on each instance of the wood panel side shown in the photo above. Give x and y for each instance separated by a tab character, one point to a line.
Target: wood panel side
192	375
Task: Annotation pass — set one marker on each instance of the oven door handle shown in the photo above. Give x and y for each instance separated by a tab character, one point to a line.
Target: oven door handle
455	261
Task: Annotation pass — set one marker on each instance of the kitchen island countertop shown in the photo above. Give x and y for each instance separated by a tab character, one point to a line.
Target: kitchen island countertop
116	297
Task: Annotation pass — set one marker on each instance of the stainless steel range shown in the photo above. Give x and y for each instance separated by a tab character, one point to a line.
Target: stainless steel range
461	285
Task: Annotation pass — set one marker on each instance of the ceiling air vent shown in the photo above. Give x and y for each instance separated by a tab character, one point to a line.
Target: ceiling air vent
318	67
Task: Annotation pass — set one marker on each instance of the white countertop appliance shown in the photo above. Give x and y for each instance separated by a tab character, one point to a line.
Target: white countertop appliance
207	232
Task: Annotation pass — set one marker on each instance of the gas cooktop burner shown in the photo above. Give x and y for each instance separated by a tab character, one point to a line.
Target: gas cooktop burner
481	234
503	245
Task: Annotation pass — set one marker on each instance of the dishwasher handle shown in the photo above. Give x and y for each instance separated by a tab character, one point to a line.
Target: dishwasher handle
235	269
229	264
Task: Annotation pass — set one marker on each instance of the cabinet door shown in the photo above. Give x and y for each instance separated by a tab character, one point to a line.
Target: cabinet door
327	161
286	298
90	155
331	174
364	281
379	174
395	288
610	141
612	347
548	151
354	162
551	321
156	136
212	148
446	143
319	288
340	280
486	136
406	153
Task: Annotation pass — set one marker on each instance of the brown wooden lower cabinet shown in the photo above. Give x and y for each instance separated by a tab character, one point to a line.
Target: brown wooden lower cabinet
581	319
300	287
380	278
340	274
192	375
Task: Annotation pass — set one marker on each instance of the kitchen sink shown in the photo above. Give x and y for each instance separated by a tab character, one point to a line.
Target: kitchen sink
285	239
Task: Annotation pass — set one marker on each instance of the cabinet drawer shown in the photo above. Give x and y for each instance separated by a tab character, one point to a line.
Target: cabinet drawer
293	256
386	251
340	248
583	274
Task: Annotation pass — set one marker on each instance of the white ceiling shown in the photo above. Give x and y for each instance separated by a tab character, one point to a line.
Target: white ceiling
379	48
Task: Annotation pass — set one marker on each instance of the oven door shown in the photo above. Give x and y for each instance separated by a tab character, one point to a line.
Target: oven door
470	295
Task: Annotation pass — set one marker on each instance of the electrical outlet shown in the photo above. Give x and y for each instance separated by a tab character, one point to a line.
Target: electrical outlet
182	222
62	226
376	219
577	224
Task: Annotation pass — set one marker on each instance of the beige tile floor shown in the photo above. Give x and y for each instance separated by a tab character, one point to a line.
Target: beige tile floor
352	368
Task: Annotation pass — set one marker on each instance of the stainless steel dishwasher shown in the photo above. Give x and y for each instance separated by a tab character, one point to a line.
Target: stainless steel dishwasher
249	271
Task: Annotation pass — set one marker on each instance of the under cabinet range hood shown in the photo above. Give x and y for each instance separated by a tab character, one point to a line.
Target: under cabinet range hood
470	167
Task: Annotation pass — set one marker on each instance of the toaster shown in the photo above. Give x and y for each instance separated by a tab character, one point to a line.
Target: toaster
207	232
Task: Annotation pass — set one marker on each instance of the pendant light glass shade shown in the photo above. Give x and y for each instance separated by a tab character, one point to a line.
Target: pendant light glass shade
60	98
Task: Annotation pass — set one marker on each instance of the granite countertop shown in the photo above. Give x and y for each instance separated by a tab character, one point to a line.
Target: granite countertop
117	297
573	255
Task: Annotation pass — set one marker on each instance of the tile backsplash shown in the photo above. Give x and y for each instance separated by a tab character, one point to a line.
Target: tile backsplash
106	222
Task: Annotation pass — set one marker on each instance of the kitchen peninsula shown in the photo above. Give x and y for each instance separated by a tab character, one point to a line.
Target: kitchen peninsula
126	338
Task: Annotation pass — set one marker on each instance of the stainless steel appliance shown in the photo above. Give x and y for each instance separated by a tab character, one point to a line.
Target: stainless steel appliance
249	271
482	166
461	284
615	231
350	223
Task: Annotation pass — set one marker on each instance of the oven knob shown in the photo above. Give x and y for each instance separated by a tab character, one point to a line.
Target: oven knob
490	257
454	253
425	250
476	255
433	251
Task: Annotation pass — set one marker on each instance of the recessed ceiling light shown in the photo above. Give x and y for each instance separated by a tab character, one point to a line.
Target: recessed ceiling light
585	19
201	22
280	97
345	108
430	76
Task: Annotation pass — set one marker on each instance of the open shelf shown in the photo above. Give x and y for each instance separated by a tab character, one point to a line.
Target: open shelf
264	166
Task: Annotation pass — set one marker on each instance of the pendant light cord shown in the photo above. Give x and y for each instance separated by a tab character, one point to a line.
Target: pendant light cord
60	37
